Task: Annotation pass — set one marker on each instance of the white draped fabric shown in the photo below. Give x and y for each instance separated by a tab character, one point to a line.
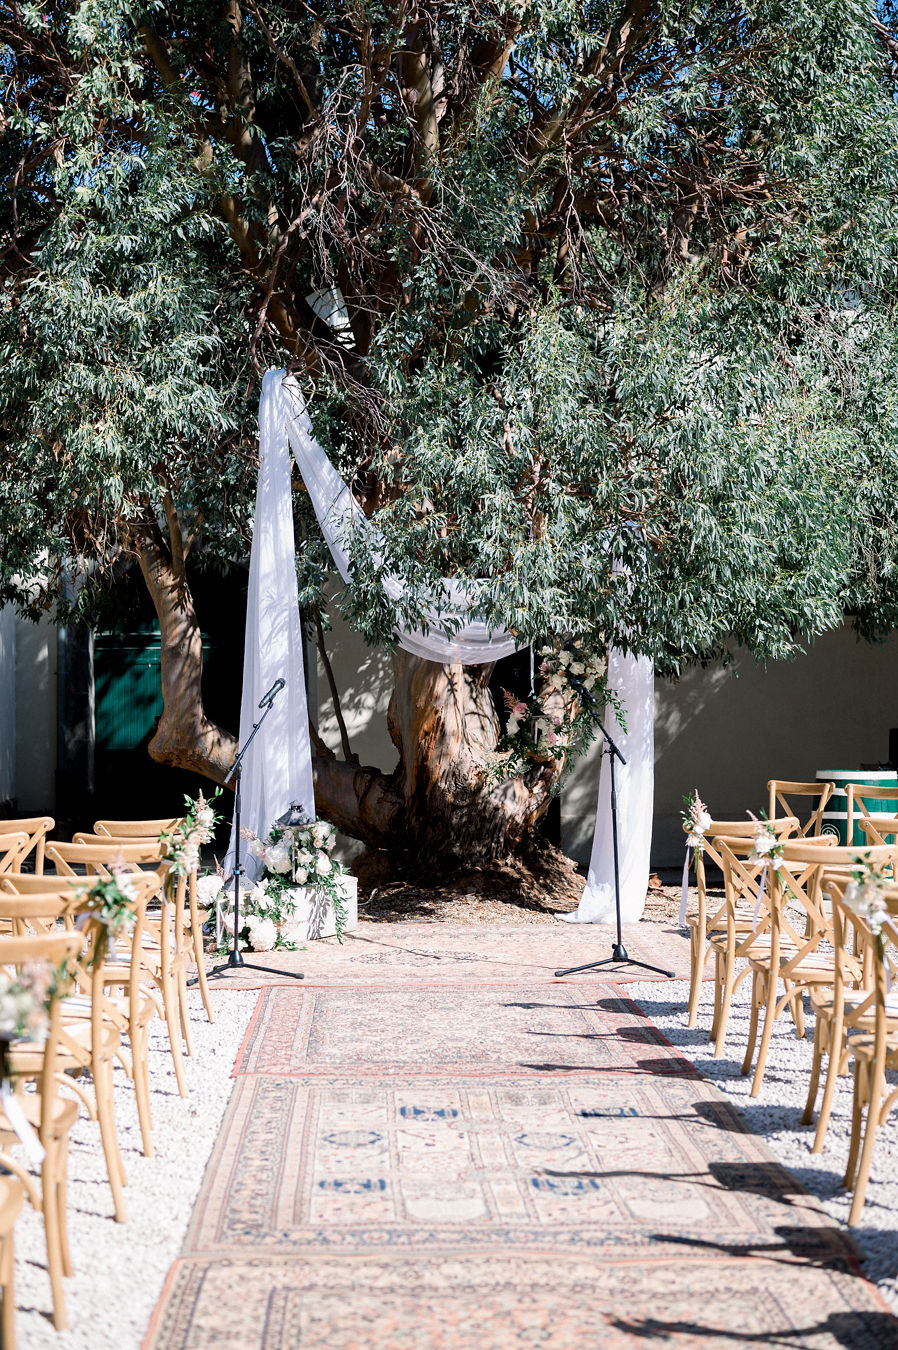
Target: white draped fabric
339	515
633	678
278	768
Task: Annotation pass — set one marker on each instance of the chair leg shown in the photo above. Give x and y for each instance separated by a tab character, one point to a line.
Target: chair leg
726	998
874	1108
752	1024
766	1034
829	1086
796	1007
857	1117
697	965
142	1088
184	1013
8	1313
106	1116
169	997
718	994
199	957
51	1232
807	1114
62	1186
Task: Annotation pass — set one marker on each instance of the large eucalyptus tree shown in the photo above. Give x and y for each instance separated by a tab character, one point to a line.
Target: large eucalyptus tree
614	336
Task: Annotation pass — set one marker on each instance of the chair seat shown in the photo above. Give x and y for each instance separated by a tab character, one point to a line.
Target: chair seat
864	1047
61	1118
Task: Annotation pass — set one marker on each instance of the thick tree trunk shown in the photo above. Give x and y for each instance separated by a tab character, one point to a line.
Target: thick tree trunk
184	736
444	724
440	808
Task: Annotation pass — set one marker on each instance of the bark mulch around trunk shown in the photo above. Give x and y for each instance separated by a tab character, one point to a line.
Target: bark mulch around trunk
527	893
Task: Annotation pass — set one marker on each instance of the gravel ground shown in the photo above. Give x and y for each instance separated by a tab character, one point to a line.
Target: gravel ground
120	1268
775	1115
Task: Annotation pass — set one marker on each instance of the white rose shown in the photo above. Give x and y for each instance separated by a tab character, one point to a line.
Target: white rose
262	934
512	726
208	887
205	817
322	864
764	843
300	876
277	857
257	849
577	668
565	658
703	820
258	896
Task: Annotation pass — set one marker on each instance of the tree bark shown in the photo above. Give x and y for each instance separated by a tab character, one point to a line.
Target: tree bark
443	722
184	737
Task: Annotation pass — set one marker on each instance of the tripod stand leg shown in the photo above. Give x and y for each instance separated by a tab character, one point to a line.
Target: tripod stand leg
614	961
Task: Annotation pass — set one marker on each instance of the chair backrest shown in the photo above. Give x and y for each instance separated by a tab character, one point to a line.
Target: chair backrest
860	803
98	858
136	829
13	849
41	1060
782	795
37	828
26	883
880	829
37	913
742	829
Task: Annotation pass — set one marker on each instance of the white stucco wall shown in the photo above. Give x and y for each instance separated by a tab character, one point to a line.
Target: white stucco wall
7	704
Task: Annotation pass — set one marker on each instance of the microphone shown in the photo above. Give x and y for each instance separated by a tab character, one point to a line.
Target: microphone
269	697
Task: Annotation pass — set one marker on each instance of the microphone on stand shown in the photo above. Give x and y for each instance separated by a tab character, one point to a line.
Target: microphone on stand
268	698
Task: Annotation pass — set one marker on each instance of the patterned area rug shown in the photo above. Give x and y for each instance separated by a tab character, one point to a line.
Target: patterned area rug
494	1165
375	952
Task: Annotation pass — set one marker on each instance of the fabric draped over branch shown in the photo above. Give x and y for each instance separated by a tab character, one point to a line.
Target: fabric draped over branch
278	767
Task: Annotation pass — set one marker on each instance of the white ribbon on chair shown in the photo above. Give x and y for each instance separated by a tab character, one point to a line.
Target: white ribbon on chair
684	892
278	769
22	1127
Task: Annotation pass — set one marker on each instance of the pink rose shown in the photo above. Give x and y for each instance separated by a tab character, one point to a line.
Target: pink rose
520	709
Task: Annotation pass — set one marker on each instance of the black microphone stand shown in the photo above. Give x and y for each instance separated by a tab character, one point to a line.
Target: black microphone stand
618	951
235	959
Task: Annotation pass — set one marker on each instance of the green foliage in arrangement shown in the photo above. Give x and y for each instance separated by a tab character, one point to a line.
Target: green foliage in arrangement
619	340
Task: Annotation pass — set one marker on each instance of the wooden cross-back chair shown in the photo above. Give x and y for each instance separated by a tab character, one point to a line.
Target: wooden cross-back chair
800	950
47	1111
133	830
710	918
787	799
874	1051
843	1009
90	1025
745	928
130	968
165	929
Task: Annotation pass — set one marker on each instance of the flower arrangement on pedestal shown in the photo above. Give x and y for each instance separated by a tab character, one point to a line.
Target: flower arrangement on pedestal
297	870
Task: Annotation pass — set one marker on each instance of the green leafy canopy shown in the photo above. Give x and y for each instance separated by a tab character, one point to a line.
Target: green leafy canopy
619	279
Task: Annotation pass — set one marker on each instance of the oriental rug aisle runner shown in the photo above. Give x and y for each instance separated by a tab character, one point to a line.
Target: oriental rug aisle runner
486	1166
